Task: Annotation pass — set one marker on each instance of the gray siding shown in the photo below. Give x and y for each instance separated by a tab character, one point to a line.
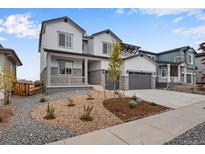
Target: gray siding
192	66
94	77
168	56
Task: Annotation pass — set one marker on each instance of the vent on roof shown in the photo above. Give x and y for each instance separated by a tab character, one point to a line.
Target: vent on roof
65	20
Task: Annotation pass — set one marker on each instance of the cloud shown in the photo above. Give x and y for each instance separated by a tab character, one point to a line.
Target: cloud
159	12
178	19
165	12
120	11
20	25
178	30
2	39
199	31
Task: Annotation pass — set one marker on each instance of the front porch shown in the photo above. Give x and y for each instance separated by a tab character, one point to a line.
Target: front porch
173	73
71	72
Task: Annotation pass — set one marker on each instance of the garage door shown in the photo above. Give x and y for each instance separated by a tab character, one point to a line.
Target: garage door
109	84
138	80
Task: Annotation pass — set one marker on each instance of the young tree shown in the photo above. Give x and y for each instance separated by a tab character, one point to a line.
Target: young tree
6	83
115	64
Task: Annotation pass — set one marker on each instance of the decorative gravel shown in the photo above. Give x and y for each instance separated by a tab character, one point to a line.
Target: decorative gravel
194	136
69	117
23	129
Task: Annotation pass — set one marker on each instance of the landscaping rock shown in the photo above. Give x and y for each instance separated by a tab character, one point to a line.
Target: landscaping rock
195	136
23	129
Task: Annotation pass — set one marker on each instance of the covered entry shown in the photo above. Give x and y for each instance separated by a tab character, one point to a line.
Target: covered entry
139	80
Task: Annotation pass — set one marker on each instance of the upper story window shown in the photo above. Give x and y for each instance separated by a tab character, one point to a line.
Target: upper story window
190	58
107	48
65	40
65	67
163	71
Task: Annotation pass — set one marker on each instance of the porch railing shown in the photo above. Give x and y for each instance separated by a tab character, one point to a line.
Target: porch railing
173	79
67	80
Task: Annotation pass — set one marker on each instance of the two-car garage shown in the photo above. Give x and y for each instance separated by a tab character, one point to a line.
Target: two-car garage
139	80
138	73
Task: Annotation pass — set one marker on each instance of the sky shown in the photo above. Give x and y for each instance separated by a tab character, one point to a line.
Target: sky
154	30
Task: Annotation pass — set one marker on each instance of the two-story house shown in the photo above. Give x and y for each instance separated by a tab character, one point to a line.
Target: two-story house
200	67
176	66
9	58
70	59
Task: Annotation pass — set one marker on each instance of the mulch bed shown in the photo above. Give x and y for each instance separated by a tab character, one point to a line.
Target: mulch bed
119	107
5	114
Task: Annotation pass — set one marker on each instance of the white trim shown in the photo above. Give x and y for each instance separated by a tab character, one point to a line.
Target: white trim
108	43
192	59
65	33
161	72
66	61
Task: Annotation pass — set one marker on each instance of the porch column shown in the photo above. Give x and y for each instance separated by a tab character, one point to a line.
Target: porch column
86	71
179	73
49	69
185	72
168	73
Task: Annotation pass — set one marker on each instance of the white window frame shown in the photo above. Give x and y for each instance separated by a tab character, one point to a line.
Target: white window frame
65	67
66	43
108	50
192	59
163	68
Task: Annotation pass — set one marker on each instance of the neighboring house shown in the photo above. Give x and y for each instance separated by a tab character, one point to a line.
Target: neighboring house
9	58
72	60
200	67
176	66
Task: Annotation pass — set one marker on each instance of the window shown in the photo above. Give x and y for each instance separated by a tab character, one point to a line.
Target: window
106	48
163	71
65	40
65	67
190	59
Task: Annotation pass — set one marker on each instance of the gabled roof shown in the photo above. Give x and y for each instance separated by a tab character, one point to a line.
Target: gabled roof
108	31
148	52
184	48
10	53
141	55
65	19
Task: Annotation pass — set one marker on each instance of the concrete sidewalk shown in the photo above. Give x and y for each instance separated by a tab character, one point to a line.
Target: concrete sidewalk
156	129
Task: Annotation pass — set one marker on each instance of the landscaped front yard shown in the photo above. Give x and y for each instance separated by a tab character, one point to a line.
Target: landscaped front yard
103	114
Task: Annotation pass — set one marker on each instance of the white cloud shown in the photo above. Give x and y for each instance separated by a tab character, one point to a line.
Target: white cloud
120	11
178	19
165	12
199	31
132	11
178	30
2	39
20	25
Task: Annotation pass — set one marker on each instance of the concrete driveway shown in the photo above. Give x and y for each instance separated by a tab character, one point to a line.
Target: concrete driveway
167	98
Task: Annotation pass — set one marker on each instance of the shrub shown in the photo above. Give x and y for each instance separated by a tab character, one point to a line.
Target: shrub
70	102
86	115
1	119
135	98
50	112
43	99
132	104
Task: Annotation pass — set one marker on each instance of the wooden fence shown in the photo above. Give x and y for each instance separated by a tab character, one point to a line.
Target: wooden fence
26	89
